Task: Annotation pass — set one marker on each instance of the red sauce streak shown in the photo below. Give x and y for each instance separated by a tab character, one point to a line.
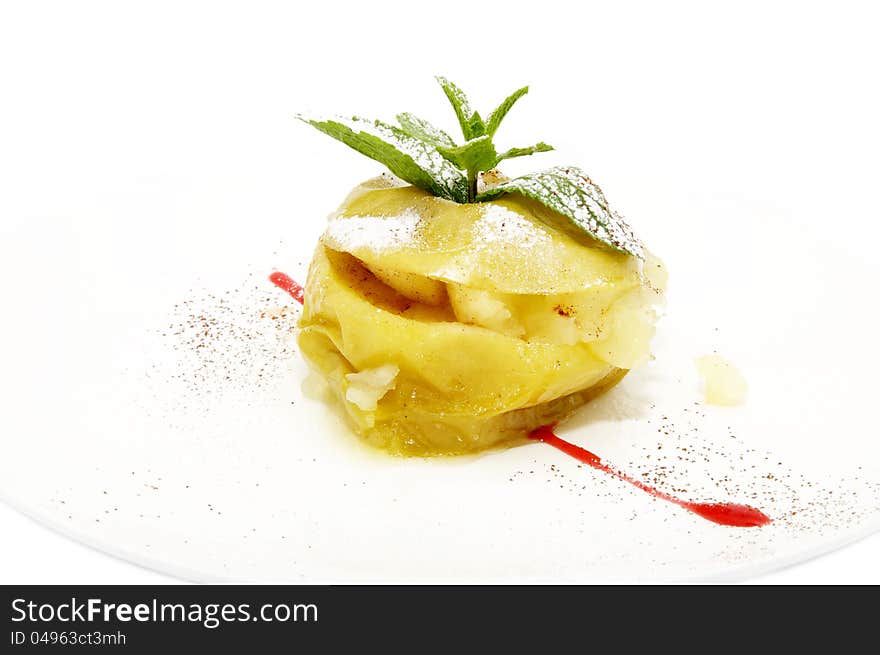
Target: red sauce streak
287	283
740	516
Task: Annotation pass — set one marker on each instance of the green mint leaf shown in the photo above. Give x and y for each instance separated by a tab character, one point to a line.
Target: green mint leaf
476	126
422	129
498	115
522	152
567	191
475	155
471	124
408	157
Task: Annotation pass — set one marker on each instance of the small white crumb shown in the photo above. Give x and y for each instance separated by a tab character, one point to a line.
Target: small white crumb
367	387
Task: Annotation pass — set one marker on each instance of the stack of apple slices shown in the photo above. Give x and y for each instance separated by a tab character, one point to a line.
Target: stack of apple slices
447	328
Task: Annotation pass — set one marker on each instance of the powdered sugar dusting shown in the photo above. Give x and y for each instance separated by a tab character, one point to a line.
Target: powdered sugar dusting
498	224
423	154
374	233
438	175
567	190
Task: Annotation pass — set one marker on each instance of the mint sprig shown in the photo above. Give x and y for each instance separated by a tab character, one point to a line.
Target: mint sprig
478	153
472	125
427	157
522	152
569	192
500	112
409	157
422	129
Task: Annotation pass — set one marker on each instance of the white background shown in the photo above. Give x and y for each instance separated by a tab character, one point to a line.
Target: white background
773	101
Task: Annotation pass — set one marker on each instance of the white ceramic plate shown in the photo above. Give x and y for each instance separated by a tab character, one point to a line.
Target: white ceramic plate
155	409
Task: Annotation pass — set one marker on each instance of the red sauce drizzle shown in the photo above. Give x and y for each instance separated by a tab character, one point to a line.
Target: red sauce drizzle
287	283
740	516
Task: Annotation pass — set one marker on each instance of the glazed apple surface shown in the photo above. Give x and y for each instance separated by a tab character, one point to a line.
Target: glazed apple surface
448	328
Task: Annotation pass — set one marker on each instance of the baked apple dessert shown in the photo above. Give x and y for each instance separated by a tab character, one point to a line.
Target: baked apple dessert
452	309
